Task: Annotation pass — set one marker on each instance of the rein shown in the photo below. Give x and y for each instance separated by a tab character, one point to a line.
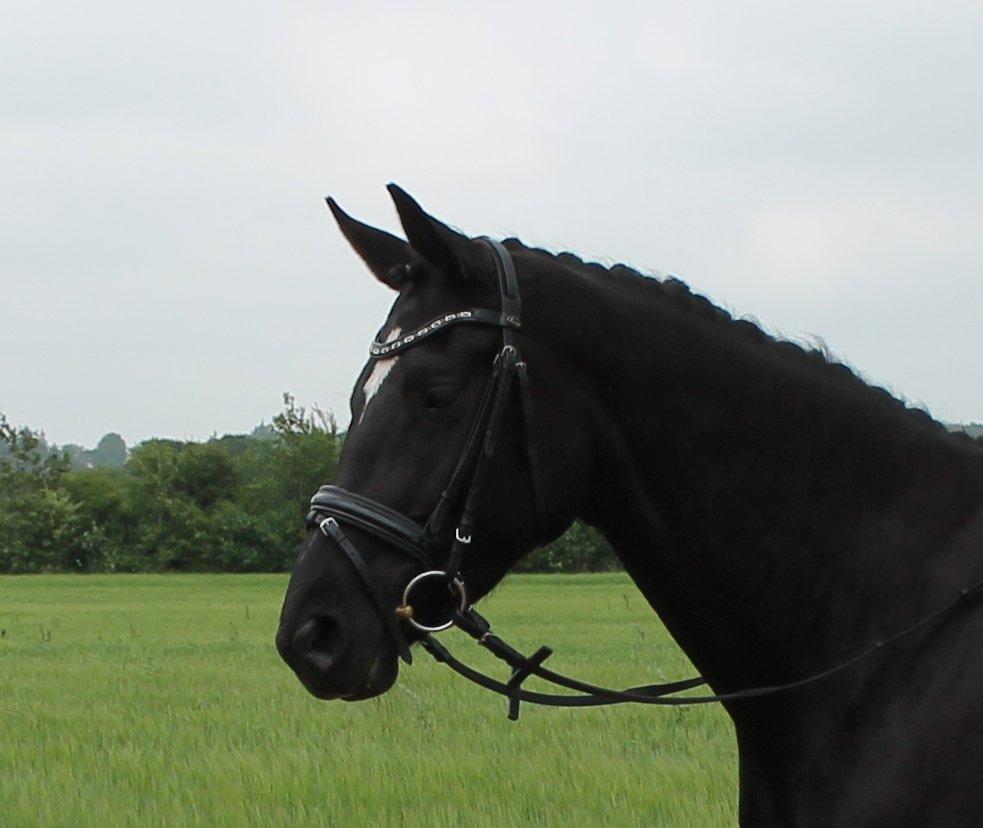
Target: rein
333	506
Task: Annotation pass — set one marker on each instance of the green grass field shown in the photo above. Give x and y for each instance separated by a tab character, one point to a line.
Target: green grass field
146	699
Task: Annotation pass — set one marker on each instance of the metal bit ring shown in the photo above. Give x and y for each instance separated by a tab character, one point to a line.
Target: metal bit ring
455	585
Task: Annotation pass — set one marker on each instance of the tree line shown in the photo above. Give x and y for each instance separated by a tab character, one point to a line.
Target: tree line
231	504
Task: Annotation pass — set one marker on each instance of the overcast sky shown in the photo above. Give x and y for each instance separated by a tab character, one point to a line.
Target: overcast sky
169	268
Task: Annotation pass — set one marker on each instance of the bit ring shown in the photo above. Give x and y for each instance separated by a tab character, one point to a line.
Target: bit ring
455	585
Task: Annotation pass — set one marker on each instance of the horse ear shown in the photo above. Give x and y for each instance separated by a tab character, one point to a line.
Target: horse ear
387	256
451	252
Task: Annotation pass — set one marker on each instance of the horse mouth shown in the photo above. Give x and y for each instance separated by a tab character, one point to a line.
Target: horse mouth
378	677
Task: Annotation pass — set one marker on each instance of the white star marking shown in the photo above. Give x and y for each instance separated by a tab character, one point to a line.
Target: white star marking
379	373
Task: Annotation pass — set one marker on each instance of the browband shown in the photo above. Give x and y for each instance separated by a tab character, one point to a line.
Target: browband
480	316
508	317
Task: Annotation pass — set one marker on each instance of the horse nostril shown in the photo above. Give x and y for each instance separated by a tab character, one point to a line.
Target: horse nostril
319	641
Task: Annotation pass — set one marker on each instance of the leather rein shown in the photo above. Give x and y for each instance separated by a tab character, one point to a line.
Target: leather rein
333	507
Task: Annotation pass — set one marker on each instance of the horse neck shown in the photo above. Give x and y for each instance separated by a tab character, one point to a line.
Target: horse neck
776	511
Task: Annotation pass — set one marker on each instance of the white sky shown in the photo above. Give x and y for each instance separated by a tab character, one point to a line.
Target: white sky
167	266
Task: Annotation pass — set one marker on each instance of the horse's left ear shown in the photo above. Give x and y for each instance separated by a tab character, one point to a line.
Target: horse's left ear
388	257
449	251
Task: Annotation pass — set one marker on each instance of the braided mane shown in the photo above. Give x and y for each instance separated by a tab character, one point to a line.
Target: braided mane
678	292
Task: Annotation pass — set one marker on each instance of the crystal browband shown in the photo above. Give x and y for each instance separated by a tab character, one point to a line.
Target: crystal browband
479	316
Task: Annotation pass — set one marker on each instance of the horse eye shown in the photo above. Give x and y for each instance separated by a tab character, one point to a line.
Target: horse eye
439	397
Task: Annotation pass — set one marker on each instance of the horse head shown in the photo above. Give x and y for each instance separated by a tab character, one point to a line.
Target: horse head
468	441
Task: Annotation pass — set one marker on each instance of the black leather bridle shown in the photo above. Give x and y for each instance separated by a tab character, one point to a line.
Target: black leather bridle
332	508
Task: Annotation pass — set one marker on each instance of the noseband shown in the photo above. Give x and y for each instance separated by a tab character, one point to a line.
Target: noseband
334	507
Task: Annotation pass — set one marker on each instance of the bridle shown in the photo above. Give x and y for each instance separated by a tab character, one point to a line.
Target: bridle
334	507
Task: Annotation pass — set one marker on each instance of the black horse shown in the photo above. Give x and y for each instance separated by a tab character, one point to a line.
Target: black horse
778	513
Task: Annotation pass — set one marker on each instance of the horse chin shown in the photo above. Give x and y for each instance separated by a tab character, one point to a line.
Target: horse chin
372	680
380	677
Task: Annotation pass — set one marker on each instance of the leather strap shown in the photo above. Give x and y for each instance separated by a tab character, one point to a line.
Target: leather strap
329	526
476	626
475	316
465	462
645	694
385	523
504	369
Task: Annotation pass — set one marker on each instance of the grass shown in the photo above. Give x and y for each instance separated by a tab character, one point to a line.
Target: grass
129	699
